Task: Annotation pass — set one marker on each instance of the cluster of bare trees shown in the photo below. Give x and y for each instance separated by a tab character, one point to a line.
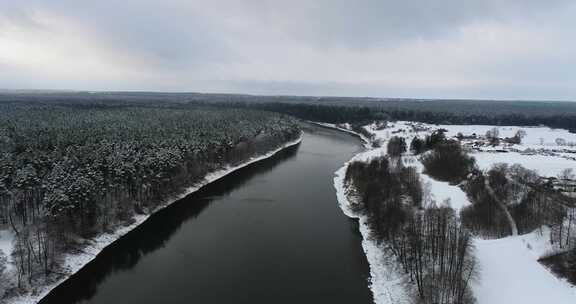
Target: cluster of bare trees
68	173
437	253
433	249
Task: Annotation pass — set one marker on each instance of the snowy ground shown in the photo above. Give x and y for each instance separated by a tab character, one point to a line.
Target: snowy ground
546	166
510	271
536	137
73	263
6	246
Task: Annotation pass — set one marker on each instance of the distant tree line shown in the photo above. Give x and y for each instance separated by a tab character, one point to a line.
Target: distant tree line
335	109
68	173
435	111
362	113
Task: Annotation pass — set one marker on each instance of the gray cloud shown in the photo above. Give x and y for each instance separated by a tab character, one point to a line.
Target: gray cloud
335	47
360	24
152	28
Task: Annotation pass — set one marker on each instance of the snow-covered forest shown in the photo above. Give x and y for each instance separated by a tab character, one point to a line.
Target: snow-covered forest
70	173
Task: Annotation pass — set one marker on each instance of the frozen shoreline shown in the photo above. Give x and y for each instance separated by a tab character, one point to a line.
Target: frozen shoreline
387	284
74	262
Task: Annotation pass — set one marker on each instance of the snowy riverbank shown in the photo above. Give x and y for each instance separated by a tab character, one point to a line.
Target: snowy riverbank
74	262
386	281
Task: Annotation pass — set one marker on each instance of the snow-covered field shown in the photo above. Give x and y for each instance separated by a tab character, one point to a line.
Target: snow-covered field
510	271
74	262
536	137
539	150
546	166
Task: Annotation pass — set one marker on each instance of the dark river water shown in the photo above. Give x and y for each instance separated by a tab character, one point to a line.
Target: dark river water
269	233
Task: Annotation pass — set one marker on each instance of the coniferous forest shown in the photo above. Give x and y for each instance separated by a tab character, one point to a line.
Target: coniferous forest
341	109
68	173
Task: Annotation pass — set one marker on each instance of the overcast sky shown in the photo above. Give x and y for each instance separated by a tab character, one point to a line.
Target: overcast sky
511	49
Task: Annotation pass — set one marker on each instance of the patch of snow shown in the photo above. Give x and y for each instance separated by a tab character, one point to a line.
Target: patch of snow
510	272
442	191
439	191
74	262
6	246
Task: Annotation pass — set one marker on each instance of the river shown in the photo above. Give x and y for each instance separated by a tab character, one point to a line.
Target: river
269	233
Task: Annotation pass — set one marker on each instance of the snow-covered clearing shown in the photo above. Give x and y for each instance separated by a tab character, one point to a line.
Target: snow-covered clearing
510	272
440	192
74	262
443	191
